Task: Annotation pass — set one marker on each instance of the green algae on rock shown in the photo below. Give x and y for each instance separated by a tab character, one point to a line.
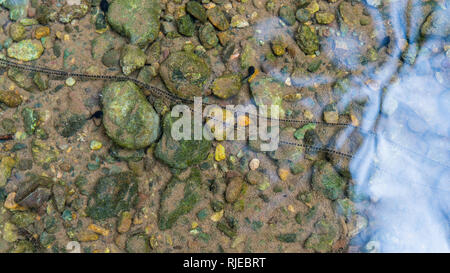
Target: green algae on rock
185	25
217	18
267	91
131	59
138	20
17	8
26	50
101	44
68	124
185	74
42	152
71	12
30	120
307	40
21	78
129	119
324	237
327	180
286	14
17	31
195	9
6	165
226	86
182	153
173	205
113	194
208	36
10	98
324	18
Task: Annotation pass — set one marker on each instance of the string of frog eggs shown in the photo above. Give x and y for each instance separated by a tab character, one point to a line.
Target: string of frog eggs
175	99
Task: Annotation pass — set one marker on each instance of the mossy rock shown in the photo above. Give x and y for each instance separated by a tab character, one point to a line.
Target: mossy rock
327	180
113	194
180	154
129	119
173	205
138	20
185	74
307	40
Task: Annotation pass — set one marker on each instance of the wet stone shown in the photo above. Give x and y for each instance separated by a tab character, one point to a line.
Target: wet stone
286	14
111	58
307	40
182	153
26	50
41	80
324	18
131	59
173	205
101	44
129	119
6	165
42	152
185	25
69	124
195	9
30	120
138	20
185	74
17	31
327	180
112	195
71	12
208	36
10	98
234	189
226	86
17	8
349	13
217	18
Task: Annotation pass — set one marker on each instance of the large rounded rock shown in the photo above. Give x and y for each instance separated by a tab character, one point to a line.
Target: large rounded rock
137	20
129	119
185	74
180	154
26	50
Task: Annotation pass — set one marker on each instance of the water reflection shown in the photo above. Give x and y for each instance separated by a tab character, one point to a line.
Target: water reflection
405	168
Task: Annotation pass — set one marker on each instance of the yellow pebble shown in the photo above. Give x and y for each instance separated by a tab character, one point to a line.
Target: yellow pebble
87	236
194	225
291	208
59	35
283	174
355	121
42	32
243	121
217	216
220	152
98	229
66	37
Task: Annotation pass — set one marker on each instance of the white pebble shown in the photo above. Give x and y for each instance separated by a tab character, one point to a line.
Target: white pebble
254	164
